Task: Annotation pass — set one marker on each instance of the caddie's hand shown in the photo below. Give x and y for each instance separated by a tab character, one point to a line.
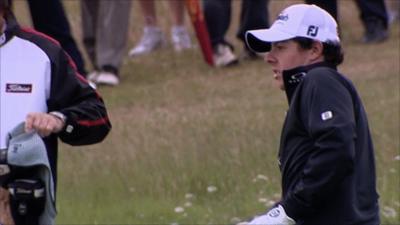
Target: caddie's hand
43	123
276	216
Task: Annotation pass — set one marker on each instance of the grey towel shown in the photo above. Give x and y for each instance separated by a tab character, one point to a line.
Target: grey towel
28	149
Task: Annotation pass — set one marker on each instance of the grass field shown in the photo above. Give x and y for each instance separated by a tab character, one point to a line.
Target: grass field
197	145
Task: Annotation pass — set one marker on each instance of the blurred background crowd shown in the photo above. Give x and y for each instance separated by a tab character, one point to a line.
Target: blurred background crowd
105	26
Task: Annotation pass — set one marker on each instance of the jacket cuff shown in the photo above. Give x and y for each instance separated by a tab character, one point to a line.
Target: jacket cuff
292	209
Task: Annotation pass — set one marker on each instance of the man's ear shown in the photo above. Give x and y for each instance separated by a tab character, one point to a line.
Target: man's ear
317	49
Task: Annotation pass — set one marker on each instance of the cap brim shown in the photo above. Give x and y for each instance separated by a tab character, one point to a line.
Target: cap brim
260	40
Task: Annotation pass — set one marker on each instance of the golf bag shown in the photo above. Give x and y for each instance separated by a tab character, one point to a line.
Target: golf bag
23	194
27	200
26	177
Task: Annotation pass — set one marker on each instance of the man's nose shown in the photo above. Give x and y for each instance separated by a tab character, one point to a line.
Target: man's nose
269	58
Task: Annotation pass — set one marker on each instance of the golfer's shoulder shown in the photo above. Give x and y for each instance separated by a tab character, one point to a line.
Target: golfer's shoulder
36	36
322	75
321	72
45	43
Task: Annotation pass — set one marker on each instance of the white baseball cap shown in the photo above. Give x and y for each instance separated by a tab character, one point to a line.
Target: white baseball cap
300	20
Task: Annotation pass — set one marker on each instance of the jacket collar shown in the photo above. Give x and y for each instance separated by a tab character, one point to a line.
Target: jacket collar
293	77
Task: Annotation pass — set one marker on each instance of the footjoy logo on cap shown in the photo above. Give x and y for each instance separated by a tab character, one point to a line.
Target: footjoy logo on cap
18	88
312	31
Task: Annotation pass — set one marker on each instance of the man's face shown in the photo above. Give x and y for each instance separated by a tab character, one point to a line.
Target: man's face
286	55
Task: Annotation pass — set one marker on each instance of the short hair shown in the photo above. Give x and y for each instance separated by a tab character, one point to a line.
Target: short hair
332	51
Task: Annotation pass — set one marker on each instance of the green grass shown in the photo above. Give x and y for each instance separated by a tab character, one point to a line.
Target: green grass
180	127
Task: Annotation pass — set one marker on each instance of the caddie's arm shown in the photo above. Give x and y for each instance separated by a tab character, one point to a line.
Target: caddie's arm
86	119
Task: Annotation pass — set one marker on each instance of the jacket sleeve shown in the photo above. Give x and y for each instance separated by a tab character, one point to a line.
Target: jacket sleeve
327	113
87	121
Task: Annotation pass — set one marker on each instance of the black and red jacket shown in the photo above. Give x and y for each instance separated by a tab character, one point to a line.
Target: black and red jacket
326	152
36	75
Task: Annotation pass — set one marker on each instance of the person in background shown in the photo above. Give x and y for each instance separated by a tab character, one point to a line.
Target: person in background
373	14
42	99
48	17
254	15
393	10
153	36
105	31
326	155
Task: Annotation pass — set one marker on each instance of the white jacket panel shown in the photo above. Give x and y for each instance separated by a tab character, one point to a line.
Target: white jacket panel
25	85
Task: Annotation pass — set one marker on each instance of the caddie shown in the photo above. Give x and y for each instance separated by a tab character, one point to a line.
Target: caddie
326	155
42	98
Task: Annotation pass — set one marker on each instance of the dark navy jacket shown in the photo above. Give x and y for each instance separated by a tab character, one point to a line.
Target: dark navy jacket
326	153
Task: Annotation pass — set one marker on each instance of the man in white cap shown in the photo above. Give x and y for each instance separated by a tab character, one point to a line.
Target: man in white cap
326	155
